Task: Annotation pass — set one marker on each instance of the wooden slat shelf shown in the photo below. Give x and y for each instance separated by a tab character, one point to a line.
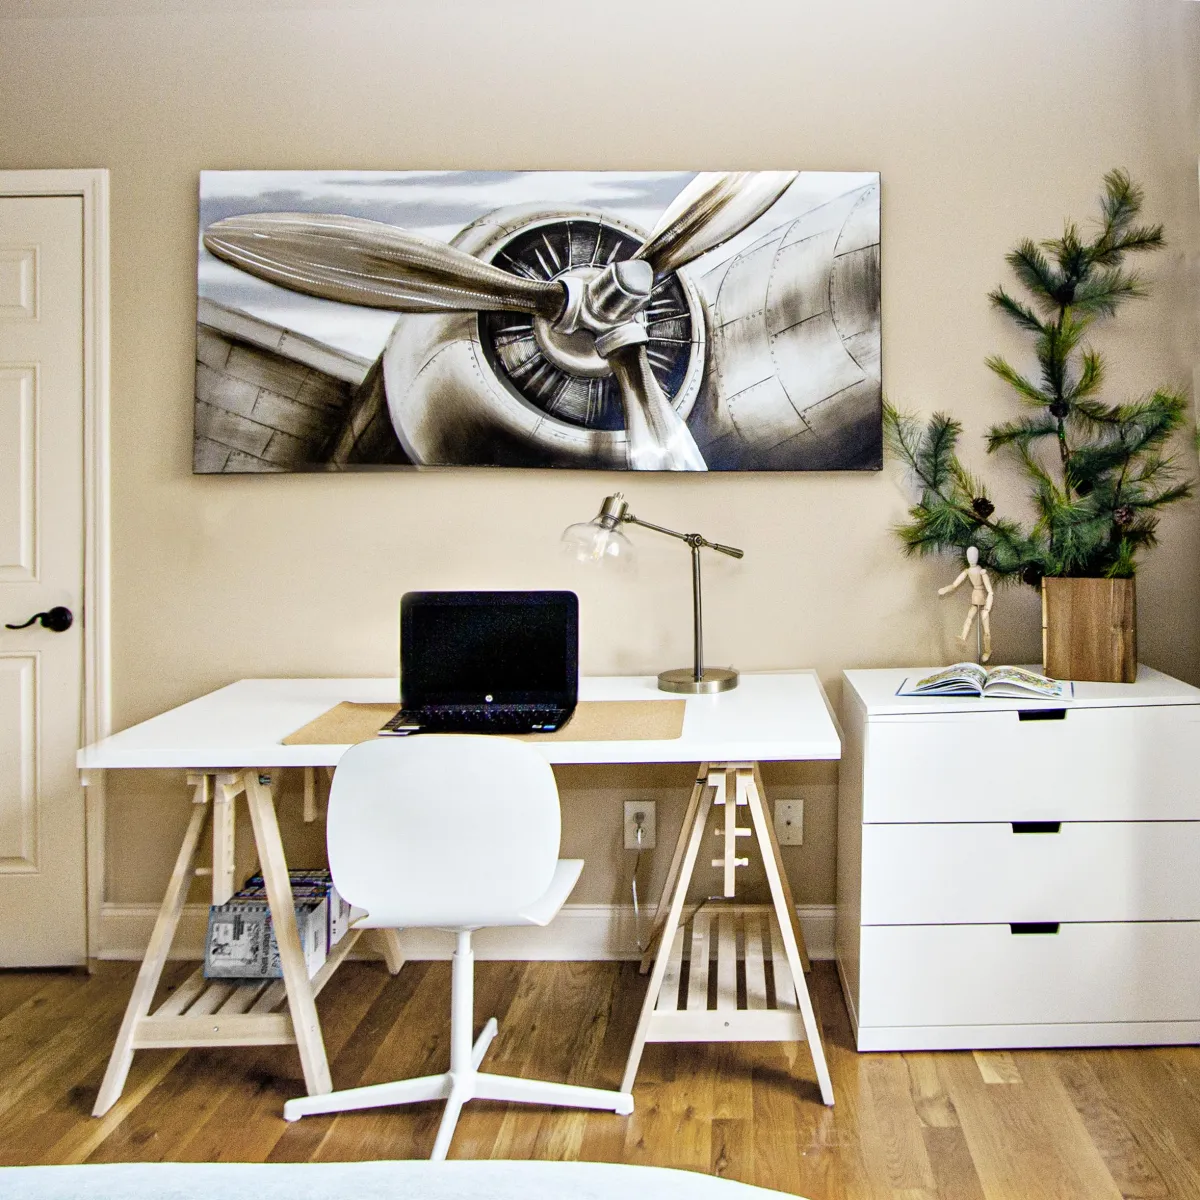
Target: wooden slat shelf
222	1012
727	944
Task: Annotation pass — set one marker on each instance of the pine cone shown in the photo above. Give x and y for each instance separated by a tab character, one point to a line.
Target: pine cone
1059	409
982	507
1123	516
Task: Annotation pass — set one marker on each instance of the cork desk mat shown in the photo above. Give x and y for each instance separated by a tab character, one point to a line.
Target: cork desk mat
594	721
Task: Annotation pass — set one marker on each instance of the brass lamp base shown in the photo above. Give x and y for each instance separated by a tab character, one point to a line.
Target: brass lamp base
712	679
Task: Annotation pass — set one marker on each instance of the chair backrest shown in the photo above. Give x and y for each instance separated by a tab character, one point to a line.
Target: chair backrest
445	830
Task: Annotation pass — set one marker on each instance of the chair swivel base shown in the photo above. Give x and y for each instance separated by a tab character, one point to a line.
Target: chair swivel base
456	1088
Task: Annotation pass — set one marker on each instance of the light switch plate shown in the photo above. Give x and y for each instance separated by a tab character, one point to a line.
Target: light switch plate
789	822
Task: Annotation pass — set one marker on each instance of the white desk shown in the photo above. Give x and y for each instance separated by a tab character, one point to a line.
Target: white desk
230	741
766	718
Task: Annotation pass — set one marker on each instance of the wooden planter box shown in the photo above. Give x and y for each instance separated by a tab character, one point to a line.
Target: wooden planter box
1089	629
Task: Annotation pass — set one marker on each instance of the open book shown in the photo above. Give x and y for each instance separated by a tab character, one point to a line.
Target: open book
970	679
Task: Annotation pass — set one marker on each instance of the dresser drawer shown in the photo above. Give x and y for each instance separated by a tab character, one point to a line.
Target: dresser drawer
1086	871
925	975
1094	764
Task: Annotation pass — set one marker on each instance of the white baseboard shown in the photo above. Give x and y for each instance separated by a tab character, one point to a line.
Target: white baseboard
580	932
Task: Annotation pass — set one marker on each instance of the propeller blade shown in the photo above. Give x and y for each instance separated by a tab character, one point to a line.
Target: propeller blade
714	207
658	438
369	263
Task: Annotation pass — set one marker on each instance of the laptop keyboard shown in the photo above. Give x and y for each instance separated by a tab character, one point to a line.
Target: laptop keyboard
479	718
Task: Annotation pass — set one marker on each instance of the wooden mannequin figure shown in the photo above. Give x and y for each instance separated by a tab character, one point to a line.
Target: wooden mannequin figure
981	600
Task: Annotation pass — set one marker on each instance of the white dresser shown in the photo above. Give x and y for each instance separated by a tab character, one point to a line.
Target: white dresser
1020	873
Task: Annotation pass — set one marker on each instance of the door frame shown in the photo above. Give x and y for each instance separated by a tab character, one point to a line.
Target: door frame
91	185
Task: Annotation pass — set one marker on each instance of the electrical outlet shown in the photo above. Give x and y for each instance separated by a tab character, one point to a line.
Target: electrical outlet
644	809
789	822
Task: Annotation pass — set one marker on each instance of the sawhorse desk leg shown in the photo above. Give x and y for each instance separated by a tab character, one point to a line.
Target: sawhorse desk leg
218	1013
161	938
667	1014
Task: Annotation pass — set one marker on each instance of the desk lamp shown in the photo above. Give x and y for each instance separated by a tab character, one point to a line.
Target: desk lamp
601	540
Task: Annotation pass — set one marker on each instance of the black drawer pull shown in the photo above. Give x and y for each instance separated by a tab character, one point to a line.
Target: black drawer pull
1033	926
1041	714
1037	827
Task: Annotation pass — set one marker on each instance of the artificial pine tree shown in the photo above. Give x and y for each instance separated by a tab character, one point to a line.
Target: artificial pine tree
1098	473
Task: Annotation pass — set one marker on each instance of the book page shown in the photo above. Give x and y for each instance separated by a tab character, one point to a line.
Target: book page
960	679
1017	681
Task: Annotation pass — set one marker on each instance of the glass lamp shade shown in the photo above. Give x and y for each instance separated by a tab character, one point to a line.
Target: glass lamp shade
598	541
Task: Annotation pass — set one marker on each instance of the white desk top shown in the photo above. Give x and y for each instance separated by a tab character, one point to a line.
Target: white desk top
877	690
783	716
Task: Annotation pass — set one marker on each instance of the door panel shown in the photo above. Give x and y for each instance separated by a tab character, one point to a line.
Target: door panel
18	473
42	867
18	753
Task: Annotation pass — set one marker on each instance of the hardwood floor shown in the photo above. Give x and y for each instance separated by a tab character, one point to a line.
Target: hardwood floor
1063	1125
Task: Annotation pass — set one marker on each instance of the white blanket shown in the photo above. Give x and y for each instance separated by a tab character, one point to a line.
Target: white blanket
401	1180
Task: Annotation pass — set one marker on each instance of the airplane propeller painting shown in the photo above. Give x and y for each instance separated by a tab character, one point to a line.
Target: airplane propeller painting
740	333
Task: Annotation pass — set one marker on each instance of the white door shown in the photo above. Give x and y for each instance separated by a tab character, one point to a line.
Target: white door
42	862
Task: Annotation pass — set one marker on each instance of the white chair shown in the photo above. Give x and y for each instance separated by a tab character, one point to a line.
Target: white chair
452	832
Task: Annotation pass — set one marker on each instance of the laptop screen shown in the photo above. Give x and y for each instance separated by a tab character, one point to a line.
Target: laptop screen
480	647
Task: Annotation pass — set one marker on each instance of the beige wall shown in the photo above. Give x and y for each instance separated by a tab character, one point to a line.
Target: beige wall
988	121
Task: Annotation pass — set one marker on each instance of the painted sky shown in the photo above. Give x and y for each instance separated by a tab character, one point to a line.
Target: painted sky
438	204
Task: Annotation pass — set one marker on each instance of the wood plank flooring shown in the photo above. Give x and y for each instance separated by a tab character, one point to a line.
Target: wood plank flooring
1021	1125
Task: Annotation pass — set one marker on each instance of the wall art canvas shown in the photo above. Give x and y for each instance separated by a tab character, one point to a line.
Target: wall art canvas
647	320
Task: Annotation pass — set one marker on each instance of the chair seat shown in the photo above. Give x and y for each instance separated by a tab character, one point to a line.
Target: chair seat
541	912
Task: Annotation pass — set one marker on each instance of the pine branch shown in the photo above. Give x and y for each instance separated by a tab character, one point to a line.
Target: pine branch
1100	294
1046	493
1021	313
901	432
1088	463
936	451
1136	241
1028	390
1124	563
967	487
1032	268
1093	413
1121	202
1023	430
1147	425
1153	472
1181	491
1073	260
1059	338
946	517
1091	378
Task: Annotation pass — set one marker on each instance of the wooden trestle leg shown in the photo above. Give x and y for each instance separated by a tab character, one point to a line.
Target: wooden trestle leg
675	1011
151	969
694	806
301	1001
789	923
228	1012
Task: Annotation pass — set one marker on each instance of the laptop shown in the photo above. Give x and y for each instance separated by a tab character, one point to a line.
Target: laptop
487	662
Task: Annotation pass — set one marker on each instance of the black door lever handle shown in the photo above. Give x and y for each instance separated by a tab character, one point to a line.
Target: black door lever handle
57	620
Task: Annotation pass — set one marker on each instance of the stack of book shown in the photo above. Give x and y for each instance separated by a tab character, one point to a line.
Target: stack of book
241	941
